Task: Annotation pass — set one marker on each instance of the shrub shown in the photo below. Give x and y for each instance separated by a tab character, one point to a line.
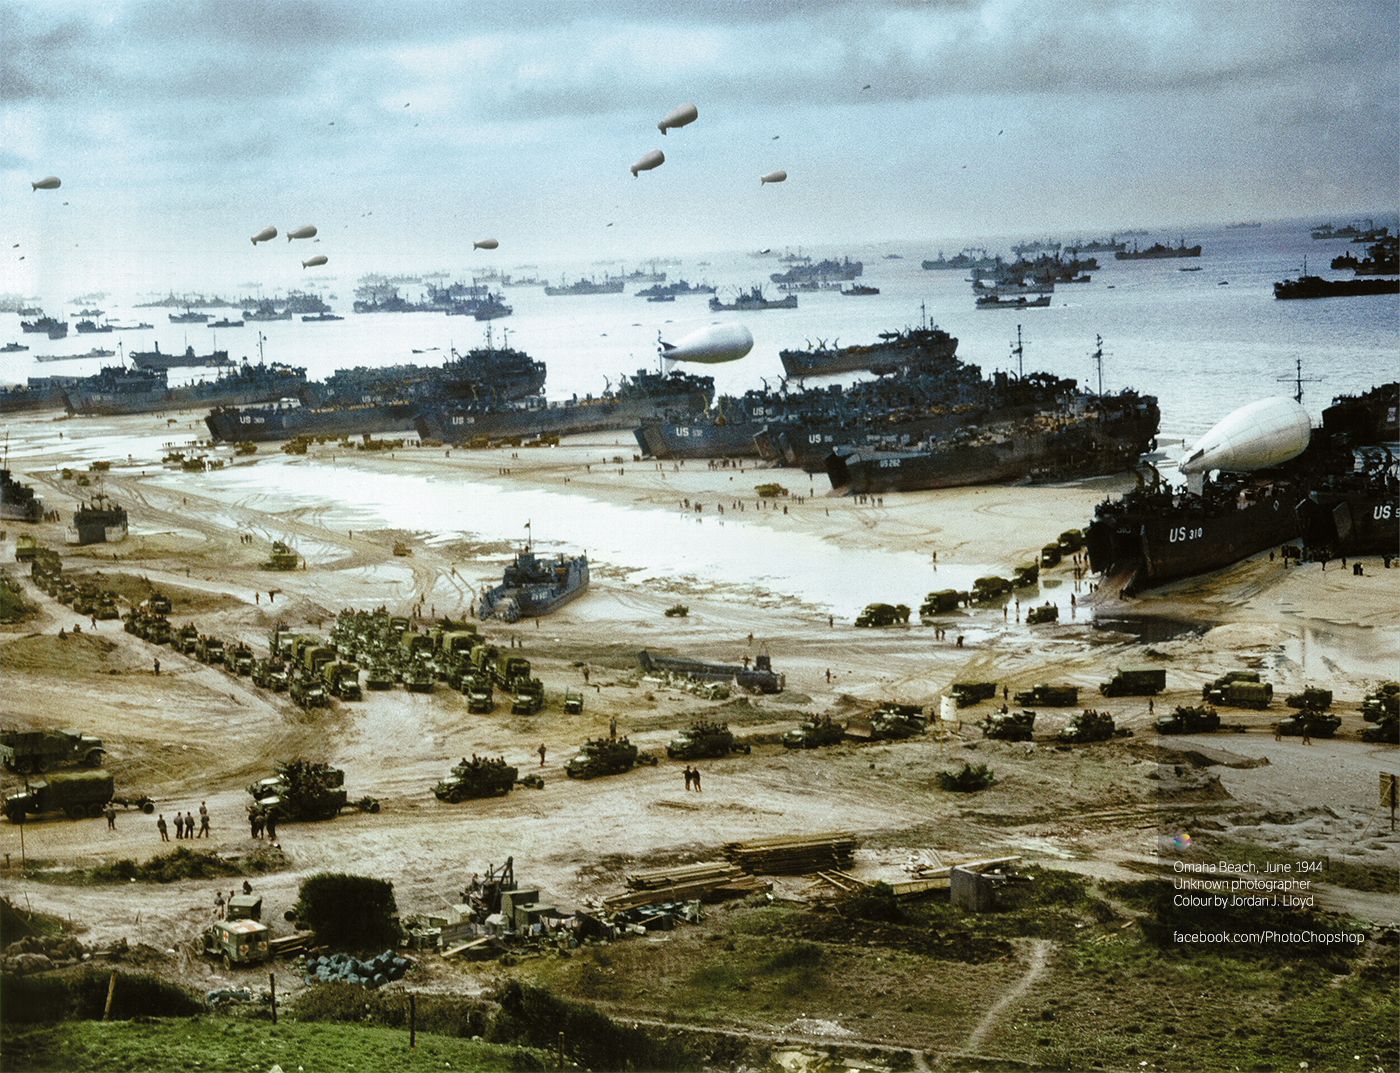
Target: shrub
970	779
444	1015
352	911
875	902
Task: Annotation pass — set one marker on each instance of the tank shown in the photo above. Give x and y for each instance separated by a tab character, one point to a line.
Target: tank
282	557
1045	613
1009	726
705	739
1135	682
1259	435
966	694
1089	725
814	733
477	777
1312	723
32	751
1199	719
883	615
1048	696
892	722
1311	698
602	756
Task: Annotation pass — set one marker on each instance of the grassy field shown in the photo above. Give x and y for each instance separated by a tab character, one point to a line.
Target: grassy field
232	1045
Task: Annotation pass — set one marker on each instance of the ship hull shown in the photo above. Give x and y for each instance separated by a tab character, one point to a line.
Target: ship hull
802	363
260	425
105	404
693	439
1352	523
1334	288
591	415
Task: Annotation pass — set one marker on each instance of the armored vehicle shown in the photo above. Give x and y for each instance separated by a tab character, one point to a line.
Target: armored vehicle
1089	725
944	600
305	790
1384	729
1199	719
1311	698
1238	693
76	794
157	603
30	751
342	679
209	650
281	558
1009	726
705	739
1135	682
1050	555
883	615
240	660
1048	696
186	640
529	696
573	702
602	756
418	677
270	674
966	694
1382	701
814	733
478	690
307	692
895	721
237	942
1046	612
378	676
479	777
986	589
1312	723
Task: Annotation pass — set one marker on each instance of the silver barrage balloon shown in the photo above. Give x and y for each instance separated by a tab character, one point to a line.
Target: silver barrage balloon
302	232
53	182
267	234
654	159
485	244
683	116
778	176
1256	436
710	345
316	261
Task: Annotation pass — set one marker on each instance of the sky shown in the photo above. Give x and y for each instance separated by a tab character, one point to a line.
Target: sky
405	130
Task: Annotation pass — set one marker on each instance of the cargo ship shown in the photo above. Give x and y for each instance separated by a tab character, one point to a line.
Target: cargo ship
53	328
1316	287
91	327
752	300
972	257
97	521
674	290
154	359
1157	251
825	271
585	287
532	586
117	390
1086	435
638	398
1096	245
924	345
996	300
18	503
189	317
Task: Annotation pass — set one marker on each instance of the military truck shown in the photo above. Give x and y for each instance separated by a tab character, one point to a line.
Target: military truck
1135	682
1089	725
1025	575
26	548
305	790
705	739
1048	696
1046	612
966	694
75	794
528	696
480	699
507	669
270	674
1050	555
240	659
1009	726
987	589
157	603
573	702
378	675
237	942
892	722
314	656
1312	698
31	751
209	650
876	615
814	732
282	557
1238	689
307	691
941	602
418	677
1382	701
342	679
1314	724
1071	541
1199	719
186	640
604	756
479	777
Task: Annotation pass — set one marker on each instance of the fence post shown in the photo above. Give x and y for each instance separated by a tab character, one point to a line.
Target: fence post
561	1050
111	994
272	983
412	1020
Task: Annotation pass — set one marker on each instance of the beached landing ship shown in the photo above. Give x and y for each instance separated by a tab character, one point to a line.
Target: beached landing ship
18	503
98	521
117	390
532	586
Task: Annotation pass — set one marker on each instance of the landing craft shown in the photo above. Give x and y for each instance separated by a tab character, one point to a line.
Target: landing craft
710	346
773	177
681	117
1262	434
316	261
485	244
53	182
302	232
267	234
654	159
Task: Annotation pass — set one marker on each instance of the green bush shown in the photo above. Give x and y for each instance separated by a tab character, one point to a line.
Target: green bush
875	902
970	779
80	993
349	911
443	1015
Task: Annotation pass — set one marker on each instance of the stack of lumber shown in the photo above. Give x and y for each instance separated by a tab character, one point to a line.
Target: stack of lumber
798	855
290	944
707	882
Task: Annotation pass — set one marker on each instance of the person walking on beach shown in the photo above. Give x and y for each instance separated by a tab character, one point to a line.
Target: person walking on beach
689	777
695	778
111	815
203	821
162	828
541	751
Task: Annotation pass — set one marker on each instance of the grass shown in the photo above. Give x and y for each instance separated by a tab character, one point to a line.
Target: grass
180	863
234	1045
1354	875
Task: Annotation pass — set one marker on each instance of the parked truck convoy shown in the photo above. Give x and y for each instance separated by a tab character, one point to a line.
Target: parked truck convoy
33	751
75	794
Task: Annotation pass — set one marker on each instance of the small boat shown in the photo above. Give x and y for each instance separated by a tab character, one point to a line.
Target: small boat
1193	268
860	290
317	318
224	322
1020	301
189	316
12	348
661	298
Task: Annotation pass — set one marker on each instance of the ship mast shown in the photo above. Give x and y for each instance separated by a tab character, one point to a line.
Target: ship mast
1097	358
1298	380
1018	352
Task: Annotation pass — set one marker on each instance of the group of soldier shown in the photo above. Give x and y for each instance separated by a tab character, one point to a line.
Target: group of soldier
184	825
260	819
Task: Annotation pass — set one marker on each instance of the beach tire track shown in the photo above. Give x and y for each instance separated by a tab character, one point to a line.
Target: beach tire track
1040	952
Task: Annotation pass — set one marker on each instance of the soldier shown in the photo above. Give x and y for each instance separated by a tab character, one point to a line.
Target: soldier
111	815
1149	706
179	825
247	887
695	778
189	824
203	821
541	751
162	828
157	666
219	905
689	777
271	822
612	728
